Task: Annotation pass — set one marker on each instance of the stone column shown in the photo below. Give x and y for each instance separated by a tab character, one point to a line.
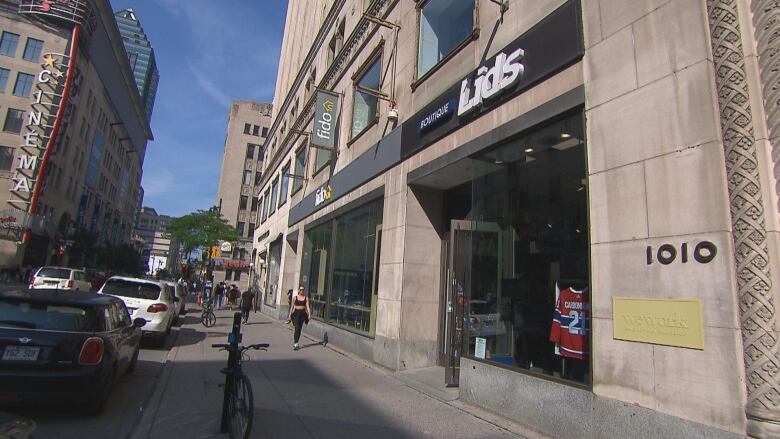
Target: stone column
755	290
766	23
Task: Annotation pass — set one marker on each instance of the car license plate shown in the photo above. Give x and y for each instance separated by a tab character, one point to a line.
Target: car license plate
21	353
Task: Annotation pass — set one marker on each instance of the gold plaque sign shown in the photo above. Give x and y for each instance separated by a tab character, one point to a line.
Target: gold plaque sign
670	322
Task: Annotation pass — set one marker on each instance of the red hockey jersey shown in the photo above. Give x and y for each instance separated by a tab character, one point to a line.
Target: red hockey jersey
570	324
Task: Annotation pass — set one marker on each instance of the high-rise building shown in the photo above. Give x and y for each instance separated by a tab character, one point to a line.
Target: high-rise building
141	55
569	205
240	174
93	150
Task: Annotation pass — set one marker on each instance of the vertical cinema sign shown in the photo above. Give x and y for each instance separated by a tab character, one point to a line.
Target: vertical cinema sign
53	88
39	123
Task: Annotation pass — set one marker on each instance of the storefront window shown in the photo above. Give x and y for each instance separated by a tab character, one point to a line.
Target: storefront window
274	262
314	270
529	304
342	284
352	297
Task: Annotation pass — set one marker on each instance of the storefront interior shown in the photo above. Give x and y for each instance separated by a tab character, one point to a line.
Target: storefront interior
516	255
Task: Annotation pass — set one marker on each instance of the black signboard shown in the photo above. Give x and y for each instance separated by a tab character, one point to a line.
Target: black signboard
549	47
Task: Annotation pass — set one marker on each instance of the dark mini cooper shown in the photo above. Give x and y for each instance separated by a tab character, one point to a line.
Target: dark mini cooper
60	345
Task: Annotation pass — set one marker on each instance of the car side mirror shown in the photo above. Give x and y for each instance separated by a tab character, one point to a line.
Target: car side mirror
139	322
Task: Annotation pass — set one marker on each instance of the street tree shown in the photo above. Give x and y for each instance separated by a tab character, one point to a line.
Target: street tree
202	228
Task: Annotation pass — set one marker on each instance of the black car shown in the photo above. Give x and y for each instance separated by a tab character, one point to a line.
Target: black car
60	345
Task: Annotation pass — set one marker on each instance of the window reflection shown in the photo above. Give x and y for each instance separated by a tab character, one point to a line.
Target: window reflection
529	305
342	283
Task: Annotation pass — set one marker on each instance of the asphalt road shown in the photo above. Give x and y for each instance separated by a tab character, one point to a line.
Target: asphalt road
123	410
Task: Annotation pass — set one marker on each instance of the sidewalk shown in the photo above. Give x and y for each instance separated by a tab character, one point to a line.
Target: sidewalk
316	392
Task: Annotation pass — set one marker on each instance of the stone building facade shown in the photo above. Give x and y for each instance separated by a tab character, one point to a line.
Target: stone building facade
94	173
239	177
571	205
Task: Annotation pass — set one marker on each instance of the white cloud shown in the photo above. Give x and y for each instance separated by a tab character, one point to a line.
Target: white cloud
209	86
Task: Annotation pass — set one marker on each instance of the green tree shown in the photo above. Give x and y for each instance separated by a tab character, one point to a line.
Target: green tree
202	228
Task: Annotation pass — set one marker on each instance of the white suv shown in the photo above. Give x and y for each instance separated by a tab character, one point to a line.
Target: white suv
60	278
151	300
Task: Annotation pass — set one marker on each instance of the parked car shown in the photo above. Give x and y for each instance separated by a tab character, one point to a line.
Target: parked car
152	300
181	293
61	278
64	346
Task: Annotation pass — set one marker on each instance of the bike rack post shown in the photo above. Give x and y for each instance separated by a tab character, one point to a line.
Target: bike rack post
234	338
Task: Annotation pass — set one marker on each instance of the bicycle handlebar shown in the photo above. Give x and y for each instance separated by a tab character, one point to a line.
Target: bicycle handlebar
227	346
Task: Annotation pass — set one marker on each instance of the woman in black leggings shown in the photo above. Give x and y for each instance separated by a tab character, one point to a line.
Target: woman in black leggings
299	314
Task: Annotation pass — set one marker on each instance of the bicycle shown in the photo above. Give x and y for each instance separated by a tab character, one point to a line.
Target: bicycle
238	391
207	317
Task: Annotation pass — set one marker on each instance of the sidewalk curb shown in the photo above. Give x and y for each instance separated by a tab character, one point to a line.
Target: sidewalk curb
149	411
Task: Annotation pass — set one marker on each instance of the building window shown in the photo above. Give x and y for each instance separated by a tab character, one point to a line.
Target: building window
247	128
364	108
265	132
528	301
6	158
267	201
237	275
32	51
254	204
258	218
340	268
242	202
13	121
285	184
8	43
300	170
274	192
4	73
228	273
247	178
255	130
23	85
258	177
240	227
251	228
444	25
250	151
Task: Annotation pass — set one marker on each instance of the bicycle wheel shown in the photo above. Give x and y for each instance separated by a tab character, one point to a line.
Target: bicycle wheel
241	408
209	320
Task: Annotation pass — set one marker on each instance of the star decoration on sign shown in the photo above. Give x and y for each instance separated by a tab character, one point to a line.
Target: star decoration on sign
49	61
57	75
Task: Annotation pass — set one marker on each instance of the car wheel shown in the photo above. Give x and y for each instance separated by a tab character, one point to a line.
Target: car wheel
131	366
96	406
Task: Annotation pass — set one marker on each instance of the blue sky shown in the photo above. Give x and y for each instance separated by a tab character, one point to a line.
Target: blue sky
209	52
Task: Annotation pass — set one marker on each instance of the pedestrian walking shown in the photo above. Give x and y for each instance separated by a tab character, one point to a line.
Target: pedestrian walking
299	314
233	295
219	292
289	298
247	302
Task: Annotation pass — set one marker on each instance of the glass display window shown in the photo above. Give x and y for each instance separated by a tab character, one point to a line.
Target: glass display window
340	268
528	298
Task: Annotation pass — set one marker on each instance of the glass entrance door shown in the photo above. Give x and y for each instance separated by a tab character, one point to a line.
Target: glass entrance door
466	240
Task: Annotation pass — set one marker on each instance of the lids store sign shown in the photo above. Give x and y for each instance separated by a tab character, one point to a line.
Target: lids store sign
38	125
547	48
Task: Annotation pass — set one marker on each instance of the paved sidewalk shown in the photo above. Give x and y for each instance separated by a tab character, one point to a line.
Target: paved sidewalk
316	392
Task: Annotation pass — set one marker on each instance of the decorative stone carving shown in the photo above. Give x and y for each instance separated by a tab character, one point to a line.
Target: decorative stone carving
766	23
756	303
